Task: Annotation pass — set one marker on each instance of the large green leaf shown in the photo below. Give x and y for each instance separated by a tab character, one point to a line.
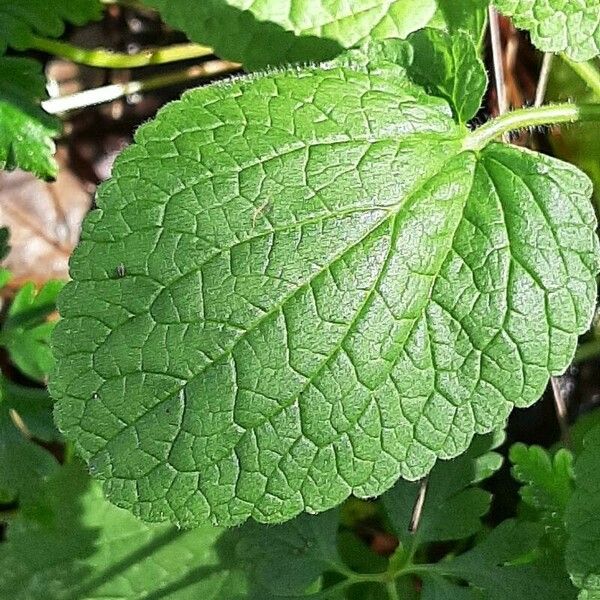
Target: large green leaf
269	32
20	20
26	131
569	26
583	520
302	286
451	490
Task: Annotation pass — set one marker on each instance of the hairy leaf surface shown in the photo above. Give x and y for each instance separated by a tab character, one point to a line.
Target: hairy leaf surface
583	520
301	287
569	26
271	32
26	131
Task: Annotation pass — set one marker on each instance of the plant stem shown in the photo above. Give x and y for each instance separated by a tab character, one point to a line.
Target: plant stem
99	57
392	591
542	86
551	114
498	60
587	71
109	93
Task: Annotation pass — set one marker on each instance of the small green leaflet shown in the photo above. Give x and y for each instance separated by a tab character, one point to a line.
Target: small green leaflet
569	26
19	21
26	330
272	32
548	485
583	520
448	66
320	292
26	131
451	490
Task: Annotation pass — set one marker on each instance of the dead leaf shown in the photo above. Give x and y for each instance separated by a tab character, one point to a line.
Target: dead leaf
44	220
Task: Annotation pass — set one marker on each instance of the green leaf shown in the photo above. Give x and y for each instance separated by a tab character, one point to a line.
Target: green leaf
288	560
300	287
580	429
452	491
34	408
24	465
19	21
26	131
80	546
449	66
583	520
272	33
548	485
466	15
26	331
505	565
569	26
438	588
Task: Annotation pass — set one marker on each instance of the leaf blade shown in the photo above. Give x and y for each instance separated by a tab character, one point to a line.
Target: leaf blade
328	371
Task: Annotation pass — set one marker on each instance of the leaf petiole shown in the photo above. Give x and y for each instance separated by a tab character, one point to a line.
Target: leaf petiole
550	114
100	57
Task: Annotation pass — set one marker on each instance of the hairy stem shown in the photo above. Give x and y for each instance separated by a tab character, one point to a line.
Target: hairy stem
587	71
550	114
99	57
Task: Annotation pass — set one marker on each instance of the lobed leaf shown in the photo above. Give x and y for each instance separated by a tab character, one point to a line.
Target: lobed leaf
26	131
569	26
548	485
300	287
583	522
271	32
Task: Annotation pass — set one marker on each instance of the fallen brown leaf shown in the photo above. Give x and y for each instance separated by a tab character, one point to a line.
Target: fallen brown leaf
44	220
